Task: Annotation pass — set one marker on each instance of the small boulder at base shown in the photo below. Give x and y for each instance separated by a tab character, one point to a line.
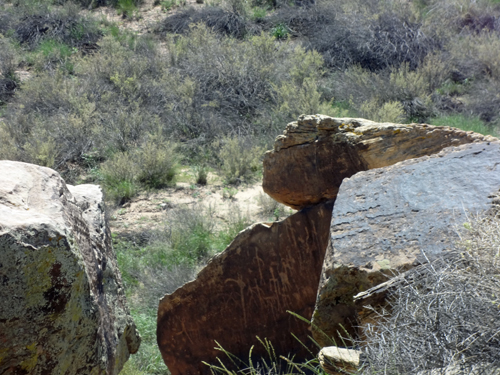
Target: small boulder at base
245	292
63	308
394	218
317	152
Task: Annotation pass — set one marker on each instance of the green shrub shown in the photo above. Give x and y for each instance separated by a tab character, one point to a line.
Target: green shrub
383	94
126	7
51	54
201	174
119	177
157	163
240	160
148	358
258	13
280	31
386	112
153	165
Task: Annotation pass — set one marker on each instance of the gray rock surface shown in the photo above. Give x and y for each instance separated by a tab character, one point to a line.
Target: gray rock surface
395	217
63	309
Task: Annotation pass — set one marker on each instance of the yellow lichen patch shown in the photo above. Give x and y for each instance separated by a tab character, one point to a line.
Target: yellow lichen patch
37	275
4	353
73	307
396	131
30	363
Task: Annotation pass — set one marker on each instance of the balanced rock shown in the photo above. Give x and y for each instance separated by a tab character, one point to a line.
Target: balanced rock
63	309
393	218
317	152
245	292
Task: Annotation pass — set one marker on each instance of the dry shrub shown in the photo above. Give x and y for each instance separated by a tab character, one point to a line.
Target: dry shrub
215	18
448	314
373	39
452	17
477	55
36	23
8	63
484	101
271	208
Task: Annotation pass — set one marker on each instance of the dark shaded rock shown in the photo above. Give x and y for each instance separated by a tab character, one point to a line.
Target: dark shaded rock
315	153
393	218
245	292
63	309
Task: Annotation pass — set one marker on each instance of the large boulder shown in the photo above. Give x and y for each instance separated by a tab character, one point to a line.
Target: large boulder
391	219
63	308
315	153
245	292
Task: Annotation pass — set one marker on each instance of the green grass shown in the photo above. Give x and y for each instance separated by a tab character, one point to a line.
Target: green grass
148	360
166	261
126	7
465	123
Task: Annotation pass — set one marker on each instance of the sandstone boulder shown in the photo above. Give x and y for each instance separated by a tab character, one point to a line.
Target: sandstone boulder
317	152
245	292
339	361
393	218
63	308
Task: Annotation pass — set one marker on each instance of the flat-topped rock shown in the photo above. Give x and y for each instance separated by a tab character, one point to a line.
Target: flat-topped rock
315	153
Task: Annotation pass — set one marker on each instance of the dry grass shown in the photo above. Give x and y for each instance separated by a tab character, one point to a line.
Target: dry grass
446	316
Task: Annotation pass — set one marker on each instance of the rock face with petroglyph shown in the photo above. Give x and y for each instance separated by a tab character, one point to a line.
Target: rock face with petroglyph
63	309
395	217
245	292
317	152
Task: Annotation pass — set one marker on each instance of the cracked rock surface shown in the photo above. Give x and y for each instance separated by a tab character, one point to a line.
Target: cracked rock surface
63	308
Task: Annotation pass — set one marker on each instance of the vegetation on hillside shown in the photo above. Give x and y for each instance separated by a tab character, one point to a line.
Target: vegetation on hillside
211	86
235	69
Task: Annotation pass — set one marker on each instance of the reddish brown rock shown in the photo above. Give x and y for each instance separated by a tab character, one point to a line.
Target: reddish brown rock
316	153
245	292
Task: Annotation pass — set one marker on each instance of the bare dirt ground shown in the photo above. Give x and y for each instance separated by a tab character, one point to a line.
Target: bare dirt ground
144	18
149	210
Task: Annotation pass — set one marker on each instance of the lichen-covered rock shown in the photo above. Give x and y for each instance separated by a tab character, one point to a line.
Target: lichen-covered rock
317	152
245	292
396	217
63	309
